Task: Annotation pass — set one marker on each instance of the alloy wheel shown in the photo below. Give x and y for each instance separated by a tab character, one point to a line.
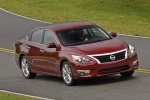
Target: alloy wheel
67	74
25	67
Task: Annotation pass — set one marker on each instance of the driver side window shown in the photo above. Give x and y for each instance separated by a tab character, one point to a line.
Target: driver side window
49	37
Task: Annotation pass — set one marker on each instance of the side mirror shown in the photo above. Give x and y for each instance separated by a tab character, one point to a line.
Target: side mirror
52	45
114	34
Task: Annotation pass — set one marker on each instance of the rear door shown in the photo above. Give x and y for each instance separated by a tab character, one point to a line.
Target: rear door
34	46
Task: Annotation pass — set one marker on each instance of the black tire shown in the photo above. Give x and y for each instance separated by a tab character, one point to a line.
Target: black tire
127	74
66	73
25	68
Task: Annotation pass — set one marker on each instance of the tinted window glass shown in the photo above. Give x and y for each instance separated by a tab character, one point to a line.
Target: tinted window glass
82	35
48	37
37	36
98	32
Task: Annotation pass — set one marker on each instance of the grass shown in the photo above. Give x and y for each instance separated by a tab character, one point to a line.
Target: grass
122	16
8	96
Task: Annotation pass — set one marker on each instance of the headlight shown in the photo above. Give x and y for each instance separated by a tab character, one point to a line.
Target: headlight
79	59
132	49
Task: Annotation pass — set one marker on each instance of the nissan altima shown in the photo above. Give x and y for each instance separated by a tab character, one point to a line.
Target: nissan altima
73	51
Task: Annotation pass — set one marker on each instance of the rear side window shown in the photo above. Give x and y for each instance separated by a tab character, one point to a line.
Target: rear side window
49	37
37	36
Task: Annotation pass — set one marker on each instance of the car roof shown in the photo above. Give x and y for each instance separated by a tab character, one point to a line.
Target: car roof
65	25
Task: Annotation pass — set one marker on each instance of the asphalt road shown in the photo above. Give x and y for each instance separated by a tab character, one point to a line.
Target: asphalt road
113	87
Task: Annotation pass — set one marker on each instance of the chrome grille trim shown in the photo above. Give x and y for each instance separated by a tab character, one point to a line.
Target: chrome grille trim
108	54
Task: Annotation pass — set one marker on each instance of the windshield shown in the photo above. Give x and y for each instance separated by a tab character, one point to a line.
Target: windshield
82	35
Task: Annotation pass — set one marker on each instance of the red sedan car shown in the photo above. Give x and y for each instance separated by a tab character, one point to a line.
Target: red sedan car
74	50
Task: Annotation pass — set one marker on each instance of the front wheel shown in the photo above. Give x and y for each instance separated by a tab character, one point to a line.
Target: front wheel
25	68
126	74
67	74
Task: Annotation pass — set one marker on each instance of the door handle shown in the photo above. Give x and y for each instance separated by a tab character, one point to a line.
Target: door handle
41	50
27	47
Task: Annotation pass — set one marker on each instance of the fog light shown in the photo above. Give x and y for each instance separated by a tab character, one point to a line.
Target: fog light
83	72
135	63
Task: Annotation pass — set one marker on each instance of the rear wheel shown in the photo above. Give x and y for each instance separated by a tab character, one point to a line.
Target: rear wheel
67	74
25	68
126	74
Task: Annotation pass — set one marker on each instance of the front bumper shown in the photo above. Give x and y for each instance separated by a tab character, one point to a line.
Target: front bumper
94	69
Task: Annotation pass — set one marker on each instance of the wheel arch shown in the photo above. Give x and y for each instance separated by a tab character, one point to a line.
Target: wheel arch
69	62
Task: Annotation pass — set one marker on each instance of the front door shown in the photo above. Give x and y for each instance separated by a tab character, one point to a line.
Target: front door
50	55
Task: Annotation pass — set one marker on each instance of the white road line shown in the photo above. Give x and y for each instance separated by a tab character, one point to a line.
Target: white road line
24	16
134	36
25	95
52	23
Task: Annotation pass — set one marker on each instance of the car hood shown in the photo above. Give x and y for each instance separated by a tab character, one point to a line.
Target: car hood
106	46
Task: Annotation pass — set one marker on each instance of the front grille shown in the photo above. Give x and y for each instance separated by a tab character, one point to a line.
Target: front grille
107	58
113	70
